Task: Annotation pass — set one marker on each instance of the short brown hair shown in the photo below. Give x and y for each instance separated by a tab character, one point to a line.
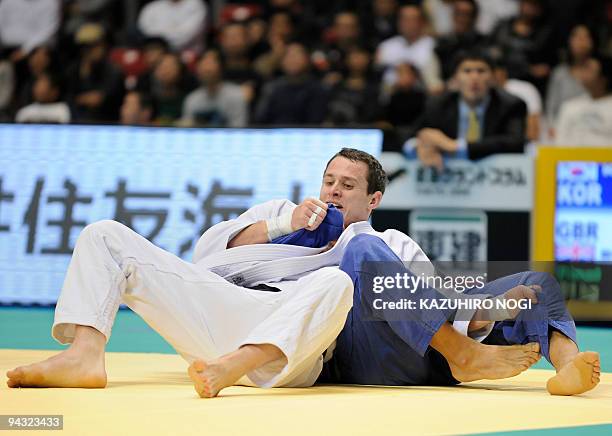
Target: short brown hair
377	178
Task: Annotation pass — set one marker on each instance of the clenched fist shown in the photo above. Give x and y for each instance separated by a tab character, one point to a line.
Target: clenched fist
303	215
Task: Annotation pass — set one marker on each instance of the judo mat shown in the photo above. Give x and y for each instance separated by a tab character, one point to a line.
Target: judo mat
150	393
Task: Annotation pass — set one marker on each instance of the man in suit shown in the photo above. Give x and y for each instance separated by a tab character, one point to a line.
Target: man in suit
473	122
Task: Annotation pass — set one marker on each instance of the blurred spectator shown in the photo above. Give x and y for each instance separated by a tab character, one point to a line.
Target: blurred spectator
94	85
477	121
7	85
527	43
170	84
234	44
296	97
407	99
47	107
280	32
257	29
412	45
180	22
308	17
79	12
40	60
565	81
463	35
216	102
381	21
153	49
526	92
440	14
494	11
587	120
28	24
237	68
353	100
343	35
138	109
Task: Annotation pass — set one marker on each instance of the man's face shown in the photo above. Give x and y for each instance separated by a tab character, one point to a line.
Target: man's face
591	76
384	8
345	185
152	54
168	70
295	61
234	40
209	68
463	16
43	90
530	9
580	42
346	27
358	61
410	22
474	79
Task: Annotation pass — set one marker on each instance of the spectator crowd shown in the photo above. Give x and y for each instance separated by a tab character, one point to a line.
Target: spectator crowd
461	77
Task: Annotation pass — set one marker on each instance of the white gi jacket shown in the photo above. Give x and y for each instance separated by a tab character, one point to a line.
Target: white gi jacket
251	265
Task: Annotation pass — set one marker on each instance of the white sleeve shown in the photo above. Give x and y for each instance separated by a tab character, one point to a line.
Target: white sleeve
237	109
216	238
563	134
47	26
533	99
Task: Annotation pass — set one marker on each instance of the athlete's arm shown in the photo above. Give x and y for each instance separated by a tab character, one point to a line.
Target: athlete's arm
264	231
254	234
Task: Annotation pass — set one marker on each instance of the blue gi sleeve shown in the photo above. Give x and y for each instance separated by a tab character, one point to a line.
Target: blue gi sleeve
329	230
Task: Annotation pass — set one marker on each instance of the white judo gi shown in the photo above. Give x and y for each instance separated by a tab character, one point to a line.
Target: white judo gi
205	309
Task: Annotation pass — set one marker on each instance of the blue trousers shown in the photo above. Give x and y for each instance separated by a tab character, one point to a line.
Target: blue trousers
381	350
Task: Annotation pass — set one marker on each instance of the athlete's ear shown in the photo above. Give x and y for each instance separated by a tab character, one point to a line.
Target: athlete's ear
375	200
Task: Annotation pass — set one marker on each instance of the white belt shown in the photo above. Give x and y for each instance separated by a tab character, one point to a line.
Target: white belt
283	267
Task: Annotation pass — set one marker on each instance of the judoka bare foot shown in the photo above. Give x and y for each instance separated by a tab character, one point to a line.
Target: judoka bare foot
470	360
576	372
212	376
80	366
493	361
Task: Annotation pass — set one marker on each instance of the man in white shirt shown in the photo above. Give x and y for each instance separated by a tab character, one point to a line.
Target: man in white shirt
493	11
216	103
587	120
26	24
46	107
412	46
526	92
180	22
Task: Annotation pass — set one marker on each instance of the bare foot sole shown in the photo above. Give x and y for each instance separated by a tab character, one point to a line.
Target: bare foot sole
494	362
578	376
65	370
209	378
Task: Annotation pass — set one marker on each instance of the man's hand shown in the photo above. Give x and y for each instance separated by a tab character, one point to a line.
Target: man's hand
437	139
483	317
429	156
90	99
302	215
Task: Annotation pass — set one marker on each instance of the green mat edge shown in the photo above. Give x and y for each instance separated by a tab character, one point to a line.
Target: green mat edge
30	328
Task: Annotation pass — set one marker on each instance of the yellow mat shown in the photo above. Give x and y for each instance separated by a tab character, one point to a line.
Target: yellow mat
151	394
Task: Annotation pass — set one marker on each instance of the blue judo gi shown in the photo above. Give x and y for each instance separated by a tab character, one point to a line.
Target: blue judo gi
380	349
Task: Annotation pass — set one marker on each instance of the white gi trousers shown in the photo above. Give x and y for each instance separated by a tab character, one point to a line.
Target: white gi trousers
199	313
